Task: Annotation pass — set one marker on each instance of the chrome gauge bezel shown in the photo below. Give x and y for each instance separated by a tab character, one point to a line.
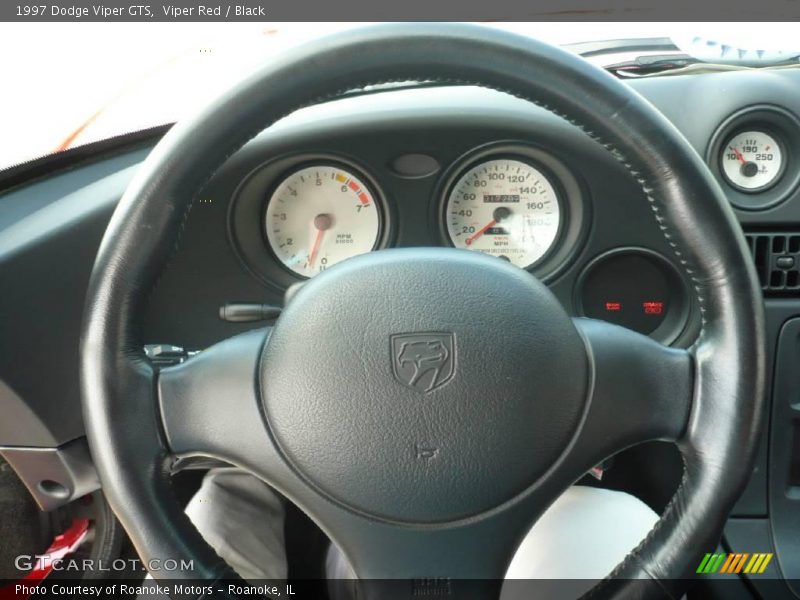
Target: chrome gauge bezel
246	218
780	124
676	322
570	194
775	136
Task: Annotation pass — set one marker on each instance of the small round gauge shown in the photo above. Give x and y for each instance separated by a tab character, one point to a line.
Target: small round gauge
506	208
634	288
320	215
752	160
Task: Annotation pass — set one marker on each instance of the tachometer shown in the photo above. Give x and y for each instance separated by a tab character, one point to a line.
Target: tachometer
320	215
506	208
752	160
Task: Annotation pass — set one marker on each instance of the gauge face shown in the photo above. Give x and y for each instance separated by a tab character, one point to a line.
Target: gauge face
630	290
319	216
752	160
505	208
637	289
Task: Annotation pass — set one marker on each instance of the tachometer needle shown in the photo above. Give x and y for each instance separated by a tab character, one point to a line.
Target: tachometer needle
315	248
322	223
480	232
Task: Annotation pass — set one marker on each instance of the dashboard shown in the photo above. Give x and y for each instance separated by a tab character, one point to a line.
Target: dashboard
463	167
509	199
481	171
478	170
474	169
448	166
425	166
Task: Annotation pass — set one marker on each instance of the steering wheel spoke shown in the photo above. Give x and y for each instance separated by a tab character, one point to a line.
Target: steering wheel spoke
210	407
641	390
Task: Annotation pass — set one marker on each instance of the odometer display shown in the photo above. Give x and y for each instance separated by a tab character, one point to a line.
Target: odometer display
320	215
506	208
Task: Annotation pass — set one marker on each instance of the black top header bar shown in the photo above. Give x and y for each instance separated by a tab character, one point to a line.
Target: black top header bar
393	10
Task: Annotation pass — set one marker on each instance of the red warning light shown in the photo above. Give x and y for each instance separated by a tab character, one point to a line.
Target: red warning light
653	308
613	306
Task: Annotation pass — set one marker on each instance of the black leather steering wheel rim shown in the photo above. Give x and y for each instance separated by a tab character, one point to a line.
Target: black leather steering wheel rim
717	438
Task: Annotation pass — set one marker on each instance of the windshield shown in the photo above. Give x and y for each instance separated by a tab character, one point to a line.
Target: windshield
73	84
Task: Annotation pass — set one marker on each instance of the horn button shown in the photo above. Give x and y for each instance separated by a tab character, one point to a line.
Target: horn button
423	385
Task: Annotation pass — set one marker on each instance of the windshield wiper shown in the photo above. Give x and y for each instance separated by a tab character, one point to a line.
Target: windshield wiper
656	44
660	55
680	64
650	64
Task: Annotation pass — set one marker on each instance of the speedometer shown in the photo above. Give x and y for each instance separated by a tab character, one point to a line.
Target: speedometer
320	215
504	207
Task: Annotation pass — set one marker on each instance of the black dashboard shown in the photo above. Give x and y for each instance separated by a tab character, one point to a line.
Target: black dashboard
409	150
405	152
412	162
404	155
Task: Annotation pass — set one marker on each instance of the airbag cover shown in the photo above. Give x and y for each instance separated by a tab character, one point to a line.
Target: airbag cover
423	385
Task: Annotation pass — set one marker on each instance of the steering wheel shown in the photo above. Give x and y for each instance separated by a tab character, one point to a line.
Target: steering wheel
440	482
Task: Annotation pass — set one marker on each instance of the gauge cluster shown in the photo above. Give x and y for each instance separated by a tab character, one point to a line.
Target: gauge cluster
299	215
564	217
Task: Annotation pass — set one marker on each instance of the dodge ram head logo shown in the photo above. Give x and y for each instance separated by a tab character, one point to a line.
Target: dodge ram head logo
423	361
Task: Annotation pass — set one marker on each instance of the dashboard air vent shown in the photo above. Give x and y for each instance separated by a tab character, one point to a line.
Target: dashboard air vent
777	259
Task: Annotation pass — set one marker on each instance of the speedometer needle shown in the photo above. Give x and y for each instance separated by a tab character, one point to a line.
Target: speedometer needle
322	223
500	214
480	232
